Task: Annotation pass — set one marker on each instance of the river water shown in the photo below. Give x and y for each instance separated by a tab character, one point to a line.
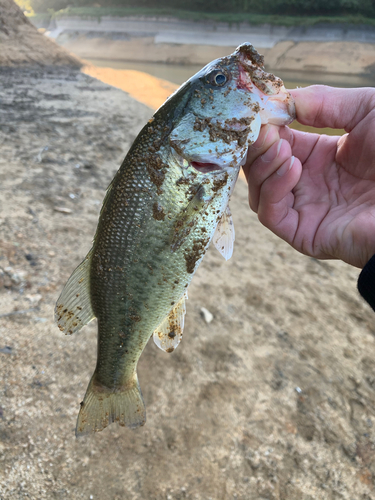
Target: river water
177	73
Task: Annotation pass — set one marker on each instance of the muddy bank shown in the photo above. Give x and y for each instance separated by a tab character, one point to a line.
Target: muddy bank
345	58
322	57
324	48
275	399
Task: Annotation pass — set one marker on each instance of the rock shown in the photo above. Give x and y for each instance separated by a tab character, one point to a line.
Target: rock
34	298
6	350
206	315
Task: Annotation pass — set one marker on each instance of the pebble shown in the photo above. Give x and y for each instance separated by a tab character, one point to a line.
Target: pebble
207	315
63	210
40	320
34	298
6	350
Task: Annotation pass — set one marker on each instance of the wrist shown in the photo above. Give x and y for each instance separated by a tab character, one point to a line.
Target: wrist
366	282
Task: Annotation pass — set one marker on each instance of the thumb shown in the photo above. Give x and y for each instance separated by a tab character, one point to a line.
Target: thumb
321	106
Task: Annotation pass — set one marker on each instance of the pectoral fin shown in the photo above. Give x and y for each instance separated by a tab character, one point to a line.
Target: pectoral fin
188	218
73	309
224	235
168	334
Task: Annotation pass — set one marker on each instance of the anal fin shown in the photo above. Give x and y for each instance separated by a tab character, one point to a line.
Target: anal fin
224	236
168	334
73	308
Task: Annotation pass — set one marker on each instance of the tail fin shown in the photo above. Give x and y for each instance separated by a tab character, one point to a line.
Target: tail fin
102	406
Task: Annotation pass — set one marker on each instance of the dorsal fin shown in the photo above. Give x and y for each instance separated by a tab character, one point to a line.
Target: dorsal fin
168	334
73	308
224	235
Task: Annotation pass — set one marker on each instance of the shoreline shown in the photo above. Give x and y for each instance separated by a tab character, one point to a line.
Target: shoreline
317	48
305	57
144	88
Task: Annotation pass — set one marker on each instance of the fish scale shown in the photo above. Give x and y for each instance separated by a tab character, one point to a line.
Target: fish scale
158	218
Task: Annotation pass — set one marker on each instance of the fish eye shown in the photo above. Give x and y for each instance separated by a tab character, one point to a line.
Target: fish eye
217	78
220	79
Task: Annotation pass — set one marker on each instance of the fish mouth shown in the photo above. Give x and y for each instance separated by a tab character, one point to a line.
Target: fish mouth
279	108
206	168
201	167
276	104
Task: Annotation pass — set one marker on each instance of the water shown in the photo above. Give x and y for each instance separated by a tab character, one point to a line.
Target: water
178	74
175	73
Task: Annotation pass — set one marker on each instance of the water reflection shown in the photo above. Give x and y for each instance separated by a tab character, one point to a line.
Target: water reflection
175	73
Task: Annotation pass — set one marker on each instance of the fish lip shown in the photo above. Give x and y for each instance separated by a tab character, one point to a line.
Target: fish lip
269	88
248	55
200	167
291	110
253	78
286	101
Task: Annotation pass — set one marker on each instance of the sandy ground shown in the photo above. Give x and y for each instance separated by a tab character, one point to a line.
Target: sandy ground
273	400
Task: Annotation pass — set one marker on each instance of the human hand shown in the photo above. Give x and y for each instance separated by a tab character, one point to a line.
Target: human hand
317	192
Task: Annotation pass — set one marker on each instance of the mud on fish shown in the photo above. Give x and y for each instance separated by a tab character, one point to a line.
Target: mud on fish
166	203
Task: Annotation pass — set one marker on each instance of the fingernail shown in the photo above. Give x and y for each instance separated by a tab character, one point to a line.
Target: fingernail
261	144
271	154
285	167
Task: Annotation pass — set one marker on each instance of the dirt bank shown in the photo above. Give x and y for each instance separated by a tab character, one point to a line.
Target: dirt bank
21	44
352	58
273	400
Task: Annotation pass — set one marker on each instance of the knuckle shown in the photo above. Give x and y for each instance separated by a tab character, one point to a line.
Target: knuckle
253	206
264	218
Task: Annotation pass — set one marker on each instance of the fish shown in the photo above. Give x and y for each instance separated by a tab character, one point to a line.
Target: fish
165	204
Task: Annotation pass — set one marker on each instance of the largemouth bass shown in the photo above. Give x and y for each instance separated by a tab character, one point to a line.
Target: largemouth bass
159	215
